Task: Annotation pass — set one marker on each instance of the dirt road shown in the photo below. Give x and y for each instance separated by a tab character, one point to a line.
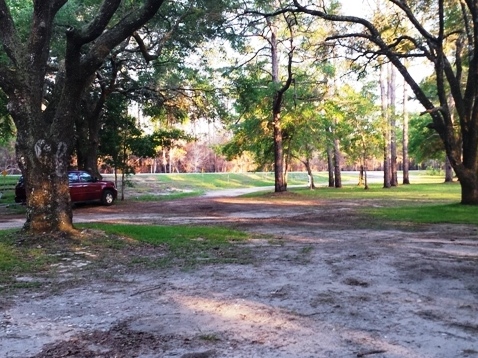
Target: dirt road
322	283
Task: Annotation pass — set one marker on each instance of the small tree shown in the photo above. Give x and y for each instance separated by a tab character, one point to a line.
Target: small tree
362	124
117	138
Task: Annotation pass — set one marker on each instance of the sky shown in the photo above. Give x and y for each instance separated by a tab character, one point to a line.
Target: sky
356	7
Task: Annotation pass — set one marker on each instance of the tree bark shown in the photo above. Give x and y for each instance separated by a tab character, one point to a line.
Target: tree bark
330	165
406	159
279	165
469	191
310	175
386	129
337	164
279	179
393	129
46	181
448	171
361	176
365	177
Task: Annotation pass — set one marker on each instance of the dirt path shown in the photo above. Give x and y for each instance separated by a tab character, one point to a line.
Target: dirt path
326	285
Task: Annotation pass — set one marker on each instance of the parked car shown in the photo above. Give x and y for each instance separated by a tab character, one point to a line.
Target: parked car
83	187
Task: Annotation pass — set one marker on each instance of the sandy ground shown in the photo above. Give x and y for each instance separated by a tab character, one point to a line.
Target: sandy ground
322	283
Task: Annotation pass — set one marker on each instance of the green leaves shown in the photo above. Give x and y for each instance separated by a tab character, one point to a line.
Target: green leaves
7	128
424	142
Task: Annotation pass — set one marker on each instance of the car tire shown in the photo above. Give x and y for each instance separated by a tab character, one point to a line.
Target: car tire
108	197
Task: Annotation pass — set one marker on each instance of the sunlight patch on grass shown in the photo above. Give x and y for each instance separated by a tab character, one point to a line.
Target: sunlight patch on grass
168	195
415	193
171	234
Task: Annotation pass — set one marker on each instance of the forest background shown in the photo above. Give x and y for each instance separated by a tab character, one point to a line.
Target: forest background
192	124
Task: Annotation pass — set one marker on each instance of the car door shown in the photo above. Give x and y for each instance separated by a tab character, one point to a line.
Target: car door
76	187
91	188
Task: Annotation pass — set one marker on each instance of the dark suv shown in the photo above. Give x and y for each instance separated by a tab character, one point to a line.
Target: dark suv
83	187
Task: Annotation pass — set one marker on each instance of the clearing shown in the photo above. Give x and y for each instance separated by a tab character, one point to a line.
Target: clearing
317	280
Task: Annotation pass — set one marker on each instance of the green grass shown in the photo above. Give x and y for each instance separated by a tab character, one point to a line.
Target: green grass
17	260
417	203
8	180
172	235
146	186
432	214
213	181
168	196
413	193
7	188
184	245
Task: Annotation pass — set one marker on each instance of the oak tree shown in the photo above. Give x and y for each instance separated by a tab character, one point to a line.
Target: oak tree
444	33
45	120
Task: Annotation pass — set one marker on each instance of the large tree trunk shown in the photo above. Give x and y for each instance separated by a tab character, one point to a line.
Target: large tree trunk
310	176
393	129
448	171
330	165
469	189
337	164
386	130
406	160
43	153
279	166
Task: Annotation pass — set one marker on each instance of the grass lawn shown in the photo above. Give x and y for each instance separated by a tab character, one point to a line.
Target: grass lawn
418	203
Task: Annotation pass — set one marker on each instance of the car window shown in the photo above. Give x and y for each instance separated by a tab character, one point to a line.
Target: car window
73	178
85	177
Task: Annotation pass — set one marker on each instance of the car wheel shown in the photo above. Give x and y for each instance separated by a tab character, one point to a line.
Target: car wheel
108	197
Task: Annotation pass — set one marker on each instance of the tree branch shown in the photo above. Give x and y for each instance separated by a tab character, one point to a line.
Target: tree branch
8	35
96	27
113	37
8	80
38	46
375	37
